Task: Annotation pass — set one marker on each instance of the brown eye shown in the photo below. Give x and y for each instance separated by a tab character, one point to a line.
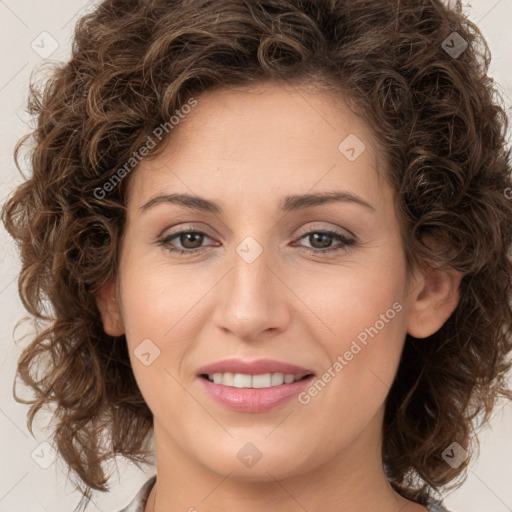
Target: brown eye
190	241
321	241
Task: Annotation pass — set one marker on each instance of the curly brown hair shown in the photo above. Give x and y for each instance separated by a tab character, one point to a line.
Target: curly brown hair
442	126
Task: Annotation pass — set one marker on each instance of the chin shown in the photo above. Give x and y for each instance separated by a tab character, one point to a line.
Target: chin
256	462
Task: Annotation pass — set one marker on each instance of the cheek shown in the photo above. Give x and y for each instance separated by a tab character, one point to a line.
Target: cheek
363	321
155	295
152	305
354	299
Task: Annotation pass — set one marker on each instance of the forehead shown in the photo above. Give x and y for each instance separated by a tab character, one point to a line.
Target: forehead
264	138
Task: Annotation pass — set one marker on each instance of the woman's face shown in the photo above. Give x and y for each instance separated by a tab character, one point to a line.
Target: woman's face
252	288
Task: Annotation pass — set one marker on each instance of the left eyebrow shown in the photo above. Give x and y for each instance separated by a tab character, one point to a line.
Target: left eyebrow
289	203
299	202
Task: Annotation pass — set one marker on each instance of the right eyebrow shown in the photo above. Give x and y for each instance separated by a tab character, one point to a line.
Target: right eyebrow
189	201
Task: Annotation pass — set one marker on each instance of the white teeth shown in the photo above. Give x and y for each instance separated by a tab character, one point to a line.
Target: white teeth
243	380
227	378
262	381
218	377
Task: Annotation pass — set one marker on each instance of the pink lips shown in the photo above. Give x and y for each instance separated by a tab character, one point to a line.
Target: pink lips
254	399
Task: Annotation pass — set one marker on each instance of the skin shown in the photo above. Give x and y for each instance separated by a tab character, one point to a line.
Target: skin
246	148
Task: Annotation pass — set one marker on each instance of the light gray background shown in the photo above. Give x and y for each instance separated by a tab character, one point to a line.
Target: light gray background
24	485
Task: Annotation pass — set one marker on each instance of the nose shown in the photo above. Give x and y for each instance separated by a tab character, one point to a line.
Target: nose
254	299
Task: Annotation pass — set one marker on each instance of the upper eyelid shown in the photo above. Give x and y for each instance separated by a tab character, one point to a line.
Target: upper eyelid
181	229
193	227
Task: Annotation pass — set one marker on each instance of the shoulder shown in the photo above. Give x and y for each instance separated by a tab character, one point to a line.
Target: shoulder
139	501
436	506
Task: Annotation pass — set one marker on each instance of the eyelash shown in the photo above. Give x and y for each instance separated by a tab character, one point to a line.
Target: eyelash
347	242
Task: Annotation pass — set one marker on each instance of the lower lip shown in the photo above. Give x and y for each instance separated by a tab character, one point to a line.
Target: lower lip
254	399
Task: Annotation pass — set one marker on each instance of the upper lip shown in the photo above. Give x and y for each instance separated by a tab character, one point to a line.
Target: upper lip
257	367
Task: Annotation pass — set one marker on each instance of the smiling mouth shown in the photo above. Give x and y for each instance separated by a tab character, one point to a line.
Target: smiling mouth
260	381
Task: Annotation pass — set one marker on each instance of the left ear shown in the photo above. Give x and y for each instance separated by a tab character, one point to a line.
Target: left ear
432	301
